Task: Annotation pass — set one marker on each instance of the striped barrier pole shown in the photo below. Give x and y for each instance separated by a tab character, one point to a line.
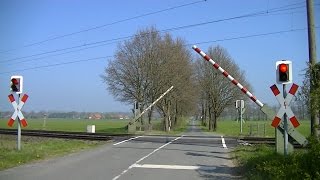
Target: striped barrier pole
227	75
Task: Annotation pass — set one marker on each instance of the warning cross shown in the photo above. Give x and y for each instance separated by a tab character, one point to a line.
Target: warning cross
285	106
17	110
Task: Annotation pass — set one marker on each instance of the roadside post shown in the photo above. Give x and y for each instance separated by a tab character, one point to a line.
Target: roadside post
241	109
284	77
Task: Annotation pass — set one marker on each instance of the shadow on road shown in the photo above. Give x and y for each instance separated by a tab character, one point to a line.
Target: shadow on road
218	172
207	155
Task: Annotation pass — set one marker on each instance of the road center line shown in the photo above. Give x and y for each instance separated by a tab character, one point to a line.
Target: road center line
223	143
135	164
177	167
126	140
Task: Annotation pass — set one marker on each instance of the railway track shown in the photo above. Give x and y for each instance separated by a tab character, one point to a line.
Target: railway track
108	137
67	135
257	140
263	140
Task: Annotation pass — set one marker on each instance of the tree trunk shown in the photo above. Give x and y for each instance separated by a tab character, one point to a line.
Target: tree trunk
206	114
203	114
210	121
175	116
150	115
141	118
169	116
214	122
166	117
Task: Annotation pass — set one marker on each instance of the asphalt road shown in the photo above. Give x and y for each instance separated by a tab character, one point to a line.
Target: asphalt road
191	156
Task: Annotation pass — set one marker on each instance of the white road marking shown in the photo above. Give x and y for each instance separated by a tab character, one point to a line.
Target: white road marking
130	167
223	143
157	166
126	140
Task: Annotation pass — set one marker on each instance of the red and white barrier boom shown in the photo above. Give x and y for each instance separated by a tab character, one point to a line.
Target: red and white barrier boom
270	113
227	75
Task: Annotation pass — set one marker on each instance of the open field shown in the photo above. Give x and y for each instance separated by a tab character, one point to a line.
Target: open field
113	126
225	127
258	128
75	125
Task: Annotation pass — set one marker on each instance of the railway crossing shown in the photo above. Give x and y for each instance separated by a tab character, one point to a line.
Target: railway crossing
284	76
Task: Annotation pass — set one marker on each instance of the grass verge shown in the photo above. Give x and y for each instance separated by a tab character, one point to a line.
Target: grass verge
36	148
261	162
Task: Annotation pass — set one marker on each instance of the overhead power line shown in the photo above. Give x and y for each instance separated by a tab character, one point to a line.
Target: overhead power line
190	44
250	36
57	64
91	47
116	40
105	25
53	55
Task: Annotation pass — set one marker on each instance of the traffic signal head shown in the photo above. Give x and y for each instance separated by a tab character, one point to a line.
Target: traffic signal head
284	72
16	84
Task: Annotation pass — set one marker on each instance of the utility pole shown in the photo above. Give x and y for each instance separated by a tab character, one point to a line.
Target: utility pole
312	60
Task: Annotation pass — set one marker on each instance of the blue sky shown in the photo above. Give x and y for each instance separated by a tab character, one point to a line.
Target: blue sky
78	86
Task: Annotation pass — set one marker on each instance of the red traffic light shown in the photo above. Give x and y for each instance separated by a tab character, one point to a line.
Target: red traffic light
284	72
283	68
14	81
16	84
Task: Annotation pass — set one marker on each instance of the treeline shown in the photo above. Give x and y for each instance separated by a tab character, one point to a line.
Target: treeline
148	64
145	67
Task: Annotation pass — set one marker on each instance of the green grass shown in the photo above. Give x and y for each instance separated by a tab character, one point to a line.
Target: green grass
232	128
262	162
102	126
35	148
179	128
75	125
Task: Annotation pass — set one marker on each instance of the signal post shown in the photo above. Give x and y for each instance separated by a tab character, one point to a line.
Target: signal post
284	77
16	86
240	108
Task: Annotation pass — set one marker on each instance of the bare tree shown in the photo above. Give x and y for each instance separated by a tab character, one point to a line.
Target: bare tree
218	92
176	70
145	67
127	76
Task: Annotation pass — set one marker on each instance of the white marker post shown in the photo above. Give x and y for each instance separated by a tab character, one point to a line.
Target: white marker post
240	108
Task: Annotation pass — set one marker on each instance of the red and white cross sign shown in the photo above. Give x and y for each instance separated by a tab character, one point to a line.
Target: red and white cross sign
285	106
17	110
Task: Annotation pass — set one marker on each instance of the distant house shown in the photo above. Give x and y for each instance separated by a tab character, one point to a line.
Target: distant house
95	116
